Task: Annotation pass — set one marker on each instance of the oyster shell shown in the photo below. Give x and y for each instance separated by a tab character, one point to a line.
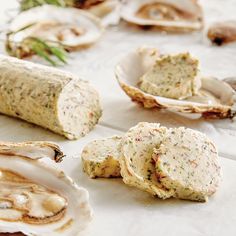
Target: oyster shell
168	15
214	100
75	29
34	150
231	81
221	33
107	10
36	199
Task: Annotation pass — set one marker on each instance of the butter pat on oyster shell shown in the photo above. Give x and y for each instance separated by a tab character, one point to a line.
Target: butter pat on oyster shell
215	98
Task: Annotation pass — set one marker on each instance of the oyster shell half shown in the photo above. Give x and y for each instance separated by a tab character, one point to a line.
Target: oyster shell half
168	15
231	81
107	10
214	100
70	27
36	199
221	33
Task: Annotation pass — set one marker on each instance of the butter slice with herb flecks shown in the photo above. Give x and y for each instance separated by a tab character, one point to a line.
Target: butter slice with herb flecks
187	161
100	158
172	76
137	167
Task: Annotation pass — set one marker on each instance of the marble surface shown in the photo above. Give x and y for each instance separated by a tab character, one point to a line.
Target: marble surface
120	210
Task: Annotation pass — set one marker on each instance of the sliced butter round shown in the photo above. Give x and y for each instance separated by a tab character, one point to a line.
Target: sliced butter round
187	162
100	158
137	166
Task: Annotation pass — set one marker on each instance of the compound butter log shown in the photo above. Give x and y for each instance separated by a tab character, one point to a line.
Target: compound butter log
45	96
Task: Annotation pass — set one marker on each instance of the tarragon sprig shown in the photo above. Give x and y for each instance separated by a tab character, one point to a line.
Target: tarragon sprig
43	49
40	47
34	45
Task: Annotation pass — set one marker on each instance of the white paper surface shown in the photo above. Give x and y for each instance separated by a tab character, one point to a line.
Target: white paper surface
118	209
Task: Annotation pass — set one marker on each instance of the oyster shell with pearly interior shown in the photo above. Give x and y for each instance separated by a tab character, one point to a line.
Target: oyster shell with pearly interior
36	199
168	15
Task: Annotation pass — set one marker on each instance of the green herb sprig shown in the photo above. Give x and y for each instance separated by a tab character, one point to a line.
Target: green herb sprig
27	4
43	48
34	45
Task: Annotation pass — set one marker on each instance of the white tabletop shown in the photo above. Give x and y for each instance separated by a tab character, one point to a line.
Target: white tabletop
120	210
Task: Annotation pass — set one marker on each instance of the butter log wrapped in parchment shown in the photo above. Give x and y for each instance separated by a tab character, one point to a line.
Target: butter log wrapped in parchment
45	96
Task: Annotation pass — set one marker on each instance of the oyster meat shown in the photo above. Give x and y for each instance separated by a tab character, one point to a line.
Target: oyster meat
36	199
214	99
168	15
76	29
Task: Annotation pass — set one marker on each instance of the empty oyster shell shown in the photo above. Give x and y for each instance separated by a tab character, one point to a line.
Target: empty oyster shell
215	98
36	199
34	150
107	10
168	15
72	28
